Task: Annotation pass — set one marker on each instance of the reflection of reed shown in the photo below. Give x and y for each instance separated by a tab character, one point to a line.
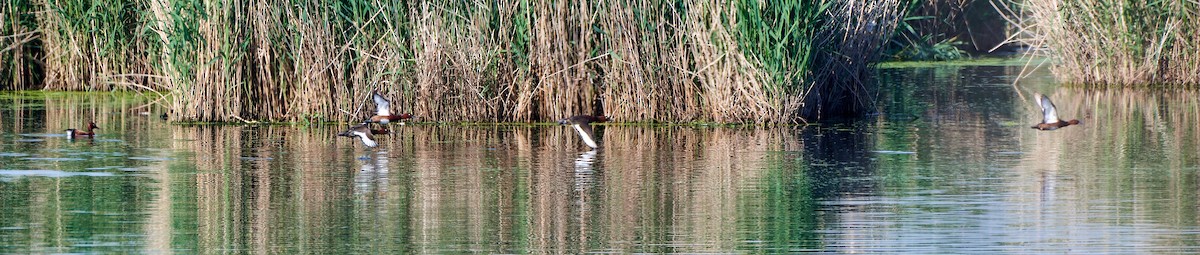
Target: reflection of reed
471	188
214	171
56	201
1152	121
681	182
556	226
111	111
442	186
630	162
245	187
160	217
1131	145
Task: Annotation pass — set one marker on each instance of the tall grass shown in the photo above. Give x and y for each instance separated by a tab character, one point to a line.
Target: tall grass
507	60
94	45
1134	43
19	67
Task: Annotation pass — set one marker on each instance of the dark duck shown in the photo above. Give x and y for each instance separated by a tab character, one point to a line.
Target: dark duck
1050	120
582	124
361	132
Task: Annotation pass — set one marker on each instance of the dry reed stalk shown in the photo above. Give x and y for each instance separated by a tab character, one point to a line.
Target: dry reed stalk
465	74
269	66
628	83
216	85
1125	43
95	45
732	87
379	59
634	60
559	52
429	83
59	51
319	63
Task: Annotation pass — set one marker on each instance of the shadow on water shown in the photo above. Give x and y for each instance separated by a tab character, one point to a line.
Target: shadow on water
950	166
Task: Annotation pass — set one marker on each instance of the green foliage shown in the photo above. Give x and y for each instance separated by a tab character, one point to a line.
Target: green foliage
783	36
918	37
20	46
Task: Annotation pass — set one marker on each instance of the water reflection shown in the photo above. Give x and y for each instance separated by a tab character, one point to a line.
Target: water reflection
951	166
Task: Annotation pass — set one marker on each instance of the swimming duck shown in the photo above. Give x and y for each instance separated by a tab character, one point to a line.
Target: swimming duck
362	132
72	133
383	110
1050	120
582	124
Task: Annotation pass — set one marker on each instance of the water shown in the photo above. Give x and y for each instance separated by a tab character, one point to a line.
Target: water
950	165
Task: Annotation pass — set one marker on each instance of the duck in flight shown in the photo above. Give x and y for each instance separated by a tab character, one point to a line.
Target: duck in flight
72	133
361	132
383	110
582	124
1050	120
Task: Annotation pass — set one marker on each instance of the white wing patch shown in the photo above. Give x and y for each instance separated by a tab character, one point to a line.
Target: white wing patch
382	106
365	138
1049	113
586	137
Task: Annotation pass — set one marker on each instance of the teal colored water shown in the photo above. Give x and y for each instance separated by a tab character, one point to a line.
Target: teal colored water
949	165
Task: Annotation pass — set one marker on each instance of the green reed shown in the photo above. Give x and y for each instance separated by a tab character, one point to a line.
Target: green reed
508	60
18	65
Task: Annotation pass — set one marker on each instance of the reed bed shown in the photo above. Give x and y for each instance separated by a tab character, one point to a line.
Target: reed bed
19	52
509	60
93	45
1106	42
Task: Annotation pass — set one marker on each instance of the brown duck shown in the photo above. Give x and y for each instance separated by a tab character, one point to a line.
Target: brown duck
72	133
383	111
1050	120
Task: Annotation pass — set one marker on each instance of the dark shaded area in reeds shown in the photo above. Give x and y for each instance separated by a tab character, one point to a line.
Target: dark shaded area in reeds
948	30
1140	43
633	60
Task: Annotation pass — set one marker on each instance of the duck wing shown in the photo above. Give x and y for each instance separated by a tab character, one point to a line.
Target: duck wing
362	132
1049	113
382	106
585	133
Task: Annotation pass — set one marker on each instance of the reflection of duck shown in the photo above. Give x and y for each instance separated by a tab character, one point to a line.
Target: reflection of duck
72	133
383	110
1050	120
372	177
582	123
362	132
583	170
380	131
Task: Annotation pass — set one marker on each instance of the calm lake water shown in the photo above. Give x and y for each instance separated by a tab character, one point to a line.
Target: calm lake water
950	165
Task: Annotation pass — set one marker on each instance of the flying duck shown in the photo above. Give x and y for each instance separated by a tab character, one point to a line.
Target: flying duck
72	133
1050	120
362	133
582	123
383	110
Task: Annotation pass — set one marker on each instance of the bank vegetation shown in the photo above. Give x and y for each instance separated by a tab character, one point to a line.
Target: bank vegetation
506	60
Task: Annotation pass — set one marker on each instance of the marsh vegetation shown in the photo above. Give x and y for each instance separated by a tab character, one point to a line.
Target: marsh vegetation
723	61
